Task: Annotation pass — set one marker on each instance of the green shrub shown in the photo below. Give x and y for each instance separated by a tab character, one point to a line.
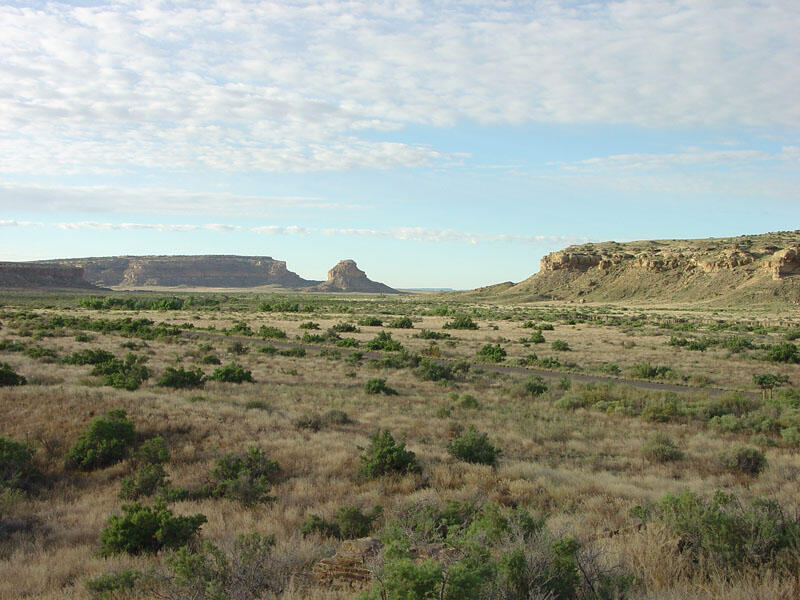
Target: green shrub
430	370
240	328
107	441
371	322
293	352
660	448
786	352
309	325
737	344
348	342
9	377
461	322
645	370
344	328
232	373
425	334
88	357
245	478
473	447
725	534
274	333
127	374
384	341
352	522
316	525
401	323
611	369
560	345
572	401
103	586
469	402
312	421
147	529
742	459
146	481
384	456
536	337
248	570
152	452
17	469
180	378
377	385
534	386
663	409
40	353
492	353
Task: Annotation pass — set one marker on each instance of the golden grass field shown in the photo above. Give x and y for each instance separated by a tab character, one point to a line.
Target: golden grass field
582	468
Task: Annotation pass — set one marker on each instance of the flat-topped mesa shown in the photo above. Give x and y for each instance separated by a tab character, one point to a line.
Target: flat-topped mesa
347	277
190	271
34	276
761	268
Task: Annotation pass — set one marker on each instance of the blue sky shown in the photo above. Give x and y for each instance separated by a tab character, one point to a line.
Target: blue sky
438	144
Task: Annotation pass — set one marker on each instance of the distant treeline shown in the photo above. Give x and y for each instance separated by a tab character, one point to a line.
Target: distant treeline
161	303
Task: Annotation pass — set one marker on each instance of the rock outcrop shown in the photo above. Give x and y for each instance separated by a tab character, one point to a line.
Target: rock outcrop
725	271
349	567
213	271
22	275
189	271
347	277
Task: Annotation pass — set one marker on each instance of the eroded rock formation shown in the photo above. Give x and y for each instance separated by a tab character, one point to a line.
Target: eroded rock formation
347	277
33	275
754	268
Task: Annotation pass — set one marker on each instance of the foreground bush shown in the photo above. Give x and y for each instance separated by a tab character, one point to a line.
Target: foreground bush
726	534
9	377
492	353
384	455
232	373
474	447
127	374
245	478
88	356
742	459
247	570
108	440
350	523
660	448
430	370
384	341
377	385
17	469
461	322
181	379
147	529
491	553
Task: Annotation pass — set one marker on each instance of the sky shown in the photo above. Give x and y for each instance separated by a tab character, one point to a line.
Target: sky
437	143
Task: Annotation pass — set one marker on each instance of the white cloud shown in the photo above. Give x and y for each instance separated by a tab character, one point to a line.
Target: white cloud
63	198
410	234
299	85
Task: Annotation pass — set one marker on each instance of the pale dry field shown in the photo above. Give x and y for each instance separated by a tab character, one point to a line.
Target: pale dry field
583	469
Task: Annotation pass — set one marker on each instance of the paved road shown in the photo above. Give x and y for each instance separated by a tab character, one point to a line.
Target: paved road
551	375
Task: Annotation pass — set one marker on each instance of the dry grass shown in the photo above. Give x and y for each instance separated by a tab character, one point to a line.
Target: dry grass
582	468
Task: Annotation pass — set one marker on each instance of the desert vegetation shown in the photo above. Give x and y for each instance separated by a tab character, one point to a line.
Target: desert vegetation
220	446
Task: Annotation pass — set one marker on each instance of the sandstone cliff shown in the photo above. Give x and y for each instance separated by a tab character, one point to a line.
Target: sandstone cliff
752	268
212	271
347	277
20	275
189	271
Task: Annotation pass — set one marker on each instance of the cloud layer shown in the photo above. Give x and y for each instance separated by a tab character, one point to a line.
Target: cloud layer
295	85
412	234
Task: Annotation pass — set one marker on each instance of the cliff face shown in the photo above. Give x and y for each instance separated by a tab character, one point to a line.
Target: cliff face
191	271
755	268
347	277
32	275
213	271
